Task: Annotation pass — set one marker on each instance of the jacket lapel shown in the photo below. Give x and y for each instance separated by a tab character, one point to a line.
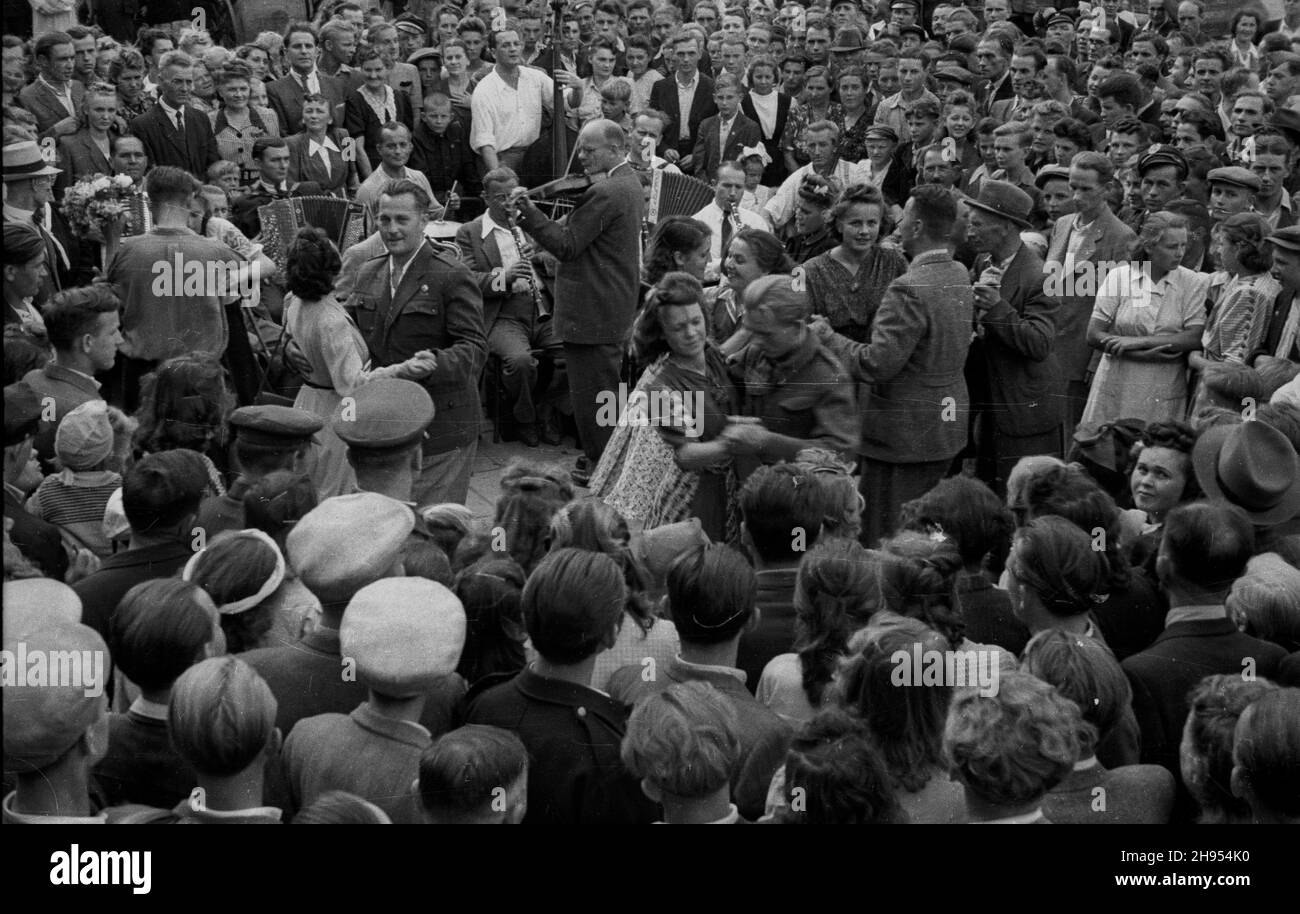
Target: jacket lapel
406	290
492	251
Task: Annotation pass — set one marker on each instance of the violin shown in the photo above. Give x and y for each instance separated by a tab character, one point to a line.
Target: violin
569	184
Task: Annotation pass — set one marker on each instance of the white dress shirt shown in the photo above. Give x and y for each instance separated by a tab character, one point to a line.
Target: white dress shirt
780	209
712	216
504	117
686	98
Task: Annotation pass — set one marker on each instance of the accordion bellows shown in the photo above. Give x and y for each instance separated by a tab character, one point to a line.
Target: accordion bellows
341	219
676	195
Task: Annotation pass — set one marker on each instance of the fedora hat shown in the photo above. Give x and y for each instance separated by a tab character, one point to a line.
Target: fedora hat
23	160
1251	465
1006	201
848	40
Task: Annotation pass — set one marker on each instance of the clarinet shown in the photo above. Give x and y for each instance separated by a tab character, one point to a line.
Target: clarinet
539	300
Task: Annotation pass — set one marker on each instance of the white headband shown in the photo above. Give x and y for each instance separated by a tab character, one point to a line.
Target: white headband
268	587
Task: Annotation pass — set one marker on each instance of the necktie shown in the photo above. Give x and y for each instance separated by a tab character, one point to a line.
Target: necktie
726	229
180	121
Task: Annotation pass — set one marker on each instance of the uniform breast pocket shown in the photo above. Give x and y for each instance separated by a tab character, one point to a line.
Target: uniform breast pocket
367	309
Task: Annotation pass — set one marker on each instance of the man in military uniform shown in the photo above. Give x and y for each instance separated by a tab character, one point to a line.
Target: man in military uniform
416	303
267	438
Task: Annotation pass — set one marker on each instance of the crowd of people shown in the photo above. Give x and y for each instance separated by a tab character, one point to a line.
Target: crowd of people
943	468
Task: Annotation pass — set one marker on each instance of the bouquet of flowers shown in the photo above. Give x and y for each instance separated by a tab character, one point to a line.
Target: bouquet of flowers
95	201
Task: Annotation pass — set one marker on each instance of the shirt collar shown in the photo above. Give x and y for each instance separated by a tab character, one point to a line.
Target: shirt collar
1027	818
709	670
168	109
193	808
151	709
313	147
1204	613
490	225
402	731
20	818
67	88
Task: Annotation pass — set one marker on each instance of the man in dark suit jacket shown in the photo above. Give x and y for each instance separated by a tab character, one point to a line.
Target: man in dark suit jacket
598	282
913	364
189	144
665	96
49	96
1204	548
285	94
511	295
711	597
708	152
573	732
1011	370
415	300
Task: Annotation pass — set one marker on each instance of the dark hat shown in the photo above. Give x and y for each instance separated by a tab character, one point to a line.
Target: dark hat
1235	175
1004	200
915	4
1050	172
955	74
1060	19
912	30
1251	465
408	22
22	413
386	414
852	3
1162	156
882	132
23	244
848	40
274	426
1287	122
1288	238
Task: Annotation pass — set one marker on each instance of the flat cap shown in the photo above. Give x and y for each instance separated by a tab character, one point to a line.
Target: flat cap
1050	173
1288	238
274	426
1162	156
1236	175
386	414
420	54
32	603
22	413
955	74
882	132
347	542
45	716
1060	19
403	634
1287	122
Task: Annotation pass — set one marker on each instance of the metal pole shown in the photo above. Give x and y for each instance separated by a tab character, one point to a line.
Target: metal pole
559	155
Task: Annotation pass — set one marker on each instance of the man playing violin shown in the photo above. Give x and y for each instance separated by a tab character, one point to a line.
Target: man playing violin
598	278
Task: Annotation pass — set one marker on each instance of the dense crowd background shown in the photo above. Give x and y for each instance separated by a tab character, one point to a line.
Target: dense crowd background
985	350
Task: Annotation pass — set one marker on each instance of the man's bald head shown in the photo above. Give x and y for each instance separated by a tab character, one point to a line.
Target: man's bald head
602	144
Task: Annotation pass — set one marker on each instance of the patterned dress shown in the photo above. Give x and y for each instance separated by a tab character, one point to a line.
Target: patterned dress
849	300
801	116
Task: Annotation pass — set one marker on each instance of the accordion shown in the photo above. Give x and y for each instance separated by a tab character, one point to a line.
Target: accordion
138	218
675	195
342	220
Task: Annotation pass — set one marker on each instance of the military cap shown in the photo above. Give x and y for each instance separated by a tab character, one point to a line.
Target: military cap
1162	156
386	414
274	426
1236	175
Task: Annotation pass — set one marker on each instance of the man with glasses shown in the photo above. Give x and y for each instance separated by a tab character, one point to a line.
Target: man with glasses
597	284
29	190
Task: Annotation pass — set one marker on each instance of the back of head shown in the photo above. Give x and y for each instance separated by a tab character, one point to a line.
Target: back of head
490	591
159	630
928	589
572	603
1060	564
467	772
1214	707
222	716
965	510
161	490
423	558
337	807
275	503
1085	671
782	512
711	594
1205	546
834	775
530	496
906	723
240	570
1011	748
1266	753
1265	601
684	741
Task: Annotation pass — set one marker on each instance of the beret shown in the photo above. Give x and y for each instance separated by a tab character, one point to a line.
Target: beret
31	603
1234	174
332	557
385	414
45	718
274	426
403	634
